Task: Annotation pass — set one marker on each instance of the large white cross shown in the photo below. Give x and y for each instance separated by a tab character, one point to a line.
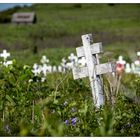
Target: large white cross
93	68
5	54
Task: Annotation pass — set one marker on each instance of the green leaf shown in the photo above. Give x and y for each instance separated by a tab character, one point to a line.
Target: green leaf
10	100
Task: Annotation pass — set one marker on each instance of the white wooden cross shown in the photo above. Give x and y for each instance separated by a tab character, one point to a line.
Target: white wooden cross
36	69
44	59
5	54
44	69
93	68
72	57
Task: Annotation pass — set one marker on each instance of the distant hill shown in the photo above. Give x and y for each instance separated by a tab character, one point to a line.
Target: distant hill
61	25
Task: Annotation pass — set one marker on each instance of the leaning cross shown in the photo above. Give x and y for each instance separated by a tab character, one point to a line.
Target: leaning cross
93	68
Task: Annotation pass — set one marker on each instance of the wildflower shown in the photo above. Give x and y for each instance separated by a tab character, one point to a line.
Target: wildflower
65	103
73	121
66	122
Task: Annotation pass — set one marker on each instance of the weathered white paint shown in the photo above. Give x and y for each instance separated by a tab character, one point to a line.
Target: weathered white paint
105	68
95	49
82	61
94	79
92	69
80	72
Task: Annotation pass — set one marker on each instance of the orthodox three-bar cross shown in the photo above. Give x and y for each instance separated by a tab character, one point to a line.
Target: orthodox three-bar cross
93	69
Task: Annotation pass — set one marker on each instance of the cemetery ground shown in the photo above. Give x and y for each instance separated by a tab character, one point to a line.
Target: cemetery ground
62	106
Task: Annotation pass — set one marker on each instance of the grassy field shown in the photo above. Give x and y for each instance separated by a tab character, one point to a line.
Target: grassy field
62	106
61	26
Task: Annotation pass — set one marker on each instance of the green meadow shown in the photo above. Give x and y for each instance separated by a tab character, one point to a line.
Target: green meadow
62	106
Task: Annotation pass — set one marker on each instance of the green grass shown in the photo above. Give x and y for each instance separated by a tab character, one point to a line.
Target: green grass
61	25
56	35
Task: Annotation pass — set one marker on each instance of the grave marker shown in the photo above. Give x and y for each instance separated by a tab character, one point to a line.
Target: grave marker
4	54
93	69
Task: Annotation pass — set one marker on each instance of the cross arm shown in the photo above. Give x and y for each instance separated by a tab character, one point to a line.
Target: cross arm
95	49
81	72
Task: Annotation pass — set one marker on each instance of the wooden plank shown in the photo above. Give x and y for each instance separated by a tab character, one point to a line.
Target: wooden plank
96	48
105	68
80	72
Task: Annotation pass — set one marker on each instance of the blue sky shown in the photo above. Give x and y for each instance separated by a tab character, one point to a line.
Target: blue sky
5	6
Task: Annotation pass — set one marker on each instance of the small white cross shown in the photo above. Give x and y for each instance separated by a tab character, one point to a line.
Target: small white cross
5	54
121	61
44	69
36	69
44	59
73	58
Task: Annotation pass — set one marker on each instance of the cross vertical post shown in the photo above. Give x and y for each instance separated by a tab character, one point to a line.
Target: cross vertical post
95	80
93	68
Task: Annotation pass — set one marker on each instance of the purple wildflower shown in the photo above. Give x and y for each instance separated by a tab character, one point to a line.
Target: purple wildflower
73	121
66	122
